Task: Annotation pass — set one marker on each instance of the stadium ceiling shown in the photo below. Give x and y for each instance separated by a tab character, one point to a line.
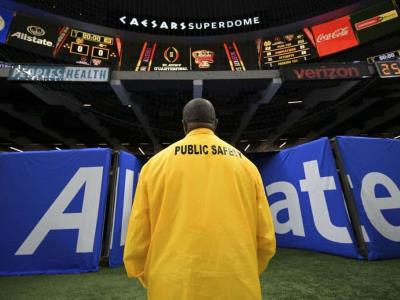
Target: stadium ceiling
144	110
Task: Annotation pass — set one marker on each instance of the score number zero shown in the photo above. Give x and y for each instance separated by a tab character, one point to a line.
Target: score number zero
83	49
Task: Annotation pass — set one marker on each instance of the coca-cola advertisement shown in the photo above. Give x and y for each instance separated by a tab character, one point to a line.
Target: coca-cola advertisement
334	36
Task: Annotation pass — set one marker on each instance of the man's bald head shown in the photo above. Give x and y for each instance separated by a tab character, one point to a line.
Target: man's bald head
199	113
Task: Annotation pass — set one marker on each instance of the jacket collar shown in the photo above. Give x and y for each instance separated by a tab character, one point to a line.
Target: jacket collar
200	131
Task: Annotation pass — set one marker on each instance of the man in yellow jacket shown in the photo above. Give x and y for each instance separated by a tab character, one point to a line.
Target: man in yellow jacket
200	227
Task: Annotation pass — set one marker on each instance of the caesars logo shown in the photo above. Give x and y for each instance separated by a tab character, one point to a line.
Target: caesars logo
171	55
34	37
2	23
203	58
340	32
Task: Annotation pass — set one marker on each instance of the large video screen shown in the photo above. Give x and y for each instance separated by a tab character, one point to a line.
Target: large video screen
152	56
283	50
81	47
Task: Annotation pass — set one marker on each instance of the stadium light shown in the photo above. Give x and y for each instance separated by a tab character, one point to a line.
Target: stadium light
87	105
247	147
295	102
16	149
58	148
141	151
283	144
397	137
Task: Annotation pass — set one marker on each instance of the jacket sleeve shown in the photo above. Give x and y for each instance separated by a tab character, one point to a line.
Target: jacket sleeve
266	244
138	234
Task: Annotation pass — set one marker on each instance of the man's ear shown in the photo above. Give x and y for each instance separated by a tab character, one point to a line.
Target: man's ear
184	127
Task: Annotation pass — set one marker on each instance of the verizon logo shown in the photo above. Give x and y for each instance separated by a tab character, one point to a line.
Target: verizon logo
340	32
326	73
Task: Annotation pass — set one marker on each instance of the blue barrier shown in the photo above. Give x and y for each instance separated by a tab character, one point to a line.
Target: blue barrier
127	176
372	166
306	199
52	210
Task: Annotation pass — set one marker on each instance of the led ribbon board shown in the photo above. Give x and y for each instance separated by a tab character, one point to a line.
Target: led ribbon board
376	21
329	71
283	50
25	72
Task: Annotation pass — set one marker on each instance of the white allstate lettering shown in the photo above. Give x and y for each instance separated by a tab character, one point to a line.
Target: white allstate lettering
56	219
291	203
374	206
128	197
315	186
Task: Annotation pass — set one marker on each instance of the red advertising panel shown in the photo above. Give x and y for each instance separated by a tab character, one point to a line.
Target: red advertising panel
334	36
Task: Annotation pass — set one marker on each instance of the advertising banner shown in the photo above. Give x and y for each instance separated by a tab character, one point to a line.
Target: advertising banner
376	21
287	49
52	210
306	199
5	22
215	57
234	57
33	35
180	26
127	177
372	166
171	57
151	56
334	36
24	72
328	71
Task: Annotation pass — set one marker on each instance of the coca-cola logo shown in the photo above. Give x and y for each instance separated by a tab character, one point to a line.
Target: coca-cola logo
340	32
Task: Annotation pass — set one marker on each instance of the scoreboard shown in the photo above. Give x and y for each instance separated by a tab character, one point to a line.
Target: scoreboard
283	50
385	56
388	69
87	48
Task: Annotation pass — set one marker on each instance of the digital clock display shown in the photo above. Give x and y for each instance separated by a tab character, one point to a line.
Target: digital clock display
387	69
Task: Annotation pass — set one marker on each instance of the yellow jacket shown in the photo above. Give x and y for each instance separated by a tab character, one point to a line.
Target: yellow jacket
200	227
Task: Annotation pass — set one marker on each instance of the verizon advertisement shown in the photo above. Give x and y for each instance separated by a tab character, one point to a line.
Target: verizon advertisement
329	71
32	35
334	36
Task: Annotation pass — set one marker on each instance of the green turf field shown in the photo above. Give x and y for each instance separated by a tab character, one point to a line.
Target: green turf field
292	274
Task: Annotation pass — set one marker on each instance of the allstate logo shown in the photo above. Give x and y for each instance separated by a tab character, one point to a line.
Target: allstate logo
2	23
36	30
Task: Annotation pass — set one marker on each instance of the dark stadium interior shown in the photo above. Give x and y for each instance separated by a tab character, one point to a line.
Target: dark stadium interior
41	116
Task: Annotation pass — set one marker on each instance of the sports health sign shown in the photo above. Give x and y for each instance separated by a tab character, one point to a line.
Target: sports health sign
306	199
52	207
334	36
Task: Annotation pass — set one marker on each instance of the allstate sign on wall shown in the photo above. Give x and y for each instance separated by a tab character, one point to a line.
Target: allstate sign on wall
52	210
373	170
127	177
306	199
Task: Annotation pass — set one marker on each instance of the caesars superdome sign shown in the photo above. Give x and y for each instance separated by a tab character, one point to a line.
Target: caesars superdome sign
191	27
